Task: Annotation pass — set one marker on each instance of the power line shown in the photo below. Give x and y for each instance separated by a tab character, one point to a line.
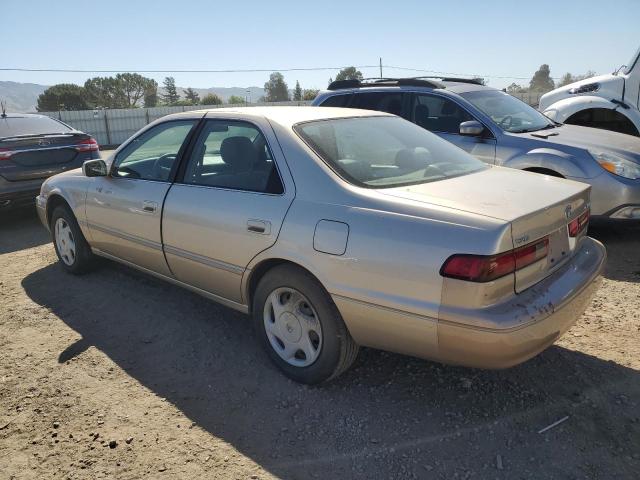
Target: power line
261	70
453	74
244	70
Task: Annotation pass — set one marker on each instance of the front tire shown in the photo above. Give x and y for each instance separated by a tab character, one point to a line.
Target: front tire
300	327
71	247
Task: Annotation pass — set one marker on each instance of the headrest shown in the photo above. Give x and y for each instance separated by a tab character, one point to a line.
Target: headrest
239	153
412	158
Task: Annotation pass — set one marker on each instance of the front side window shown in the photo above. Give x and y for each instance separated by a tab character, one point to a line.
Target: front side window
380	152
389	102
152	155
235	155
439	114
509	113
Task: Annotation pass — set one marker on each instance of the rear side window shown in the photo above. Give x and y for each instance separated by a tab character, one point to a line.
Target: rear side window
235	155
336	101
36	125
439	114
390	102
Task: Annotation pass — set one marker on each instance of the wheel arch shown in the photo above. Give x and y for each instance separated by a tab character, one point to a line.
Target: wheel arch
613	116
542	160
54	201
544	171
260	269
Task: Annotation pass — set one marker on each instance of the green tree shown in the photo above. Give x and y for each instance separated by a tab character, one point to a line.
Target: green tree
541	80
349	73
297	92
235	99
105	92
192	96
211	99
64	96
309	94
151	94
170	95
515	88
276	88
567	78
133	87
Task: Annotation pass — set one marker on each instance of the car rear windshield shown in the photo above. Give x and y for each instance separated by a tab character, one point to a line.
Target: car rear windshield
19	126
382	152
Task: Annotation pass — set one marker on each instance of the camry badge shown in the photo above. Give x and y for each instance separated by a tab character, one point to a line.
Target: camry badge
44	143
567	211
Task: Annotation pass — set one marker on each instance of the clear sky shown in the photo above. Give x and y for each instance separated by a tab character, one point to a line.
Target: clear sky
489	38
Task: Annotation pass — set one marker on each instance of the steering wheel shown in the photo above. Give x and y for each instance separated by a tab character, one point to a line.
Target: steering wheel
504	124
162	166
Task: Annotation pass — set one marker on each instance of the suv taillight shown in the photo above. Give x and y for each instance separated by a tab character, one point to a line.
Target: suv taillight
484	268
577	225
88	145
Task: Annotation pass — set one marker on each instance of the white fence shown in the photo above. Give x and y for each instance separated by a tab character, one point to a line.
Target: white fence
112	127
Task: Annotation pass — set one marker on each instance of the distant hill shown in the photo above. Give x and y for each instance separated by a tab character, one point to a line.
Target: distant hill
23	97
20	97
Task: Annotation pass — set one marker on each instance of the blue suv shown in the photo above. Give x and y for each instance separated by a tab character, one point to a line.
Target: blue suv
500	129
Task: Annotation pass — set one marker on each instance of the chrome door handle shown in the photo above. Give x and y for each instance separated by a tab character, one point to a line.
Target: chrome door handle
259	226
149	206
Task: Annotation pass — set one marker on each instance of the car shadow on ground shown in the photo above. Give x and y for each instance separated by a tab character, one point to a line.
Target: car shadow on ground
390	416
622	239
21	229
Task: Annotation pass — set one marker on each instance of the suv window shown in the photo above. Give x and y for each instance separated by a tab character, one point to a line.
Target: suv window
152	155
390	102
336	101
438	114
233	154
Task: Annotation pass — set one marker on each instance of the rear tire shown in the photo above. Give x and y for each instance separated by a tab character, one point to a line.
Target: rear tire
300	327
71	247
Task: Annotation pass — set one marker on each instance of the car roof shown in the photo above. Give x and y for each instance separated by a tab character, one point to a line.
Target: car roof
285	115
23	115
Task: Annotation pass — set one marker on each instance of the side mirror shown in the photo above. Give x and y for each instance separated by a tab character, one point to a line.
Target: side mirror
472	128
94	168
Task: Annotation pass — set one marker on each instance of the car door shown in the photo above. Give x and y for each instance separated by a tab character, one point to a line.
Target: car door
227	205
124	208
443	116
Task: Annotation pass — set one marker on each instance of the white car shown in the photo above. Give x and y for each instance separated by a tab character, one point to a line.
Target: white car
608	101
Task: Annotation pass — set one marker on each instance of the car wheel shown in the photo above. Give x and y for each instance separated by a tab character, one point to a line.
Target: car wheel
300	327
71	247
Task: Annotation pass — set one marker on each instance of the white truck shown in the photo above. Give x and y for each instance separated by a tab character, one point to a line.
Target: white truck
609	101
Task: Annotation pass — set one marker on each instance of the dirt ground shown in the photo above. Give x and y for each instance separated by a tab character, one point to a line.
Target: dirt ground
118	375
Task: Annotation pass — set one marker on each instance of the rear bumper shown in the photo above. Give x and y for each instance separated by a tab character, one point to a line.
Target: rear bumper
507	334
23	193
498	336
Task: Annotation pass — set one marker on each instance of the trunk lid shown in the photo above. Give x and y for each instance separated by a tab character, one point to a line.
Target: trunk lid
535	205
39	156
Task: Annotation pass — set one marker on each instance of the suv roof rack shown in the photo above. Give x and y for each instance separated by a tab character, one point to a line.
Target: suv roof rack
474	81
385	82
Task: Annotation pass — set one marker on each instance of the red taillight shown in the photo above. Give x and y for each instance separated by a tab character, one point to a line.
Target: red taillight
88	145
482	268
577	225
5	153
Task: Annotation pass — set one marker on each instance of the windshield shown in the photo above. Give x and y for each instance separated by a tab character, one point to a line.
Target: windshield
14	126
379	152
509	113
632	62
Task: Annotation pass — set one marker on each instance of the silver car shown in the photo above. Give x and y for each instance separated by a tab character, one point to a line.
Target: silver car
335	228
502	130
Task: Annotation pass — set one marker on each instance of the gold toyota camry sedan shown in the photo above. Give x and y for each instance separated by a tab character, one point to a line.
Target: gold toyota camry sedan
335	228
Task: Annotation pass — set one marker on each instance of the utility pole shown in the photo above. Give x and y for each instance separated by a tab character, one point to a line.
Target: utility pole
380	67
